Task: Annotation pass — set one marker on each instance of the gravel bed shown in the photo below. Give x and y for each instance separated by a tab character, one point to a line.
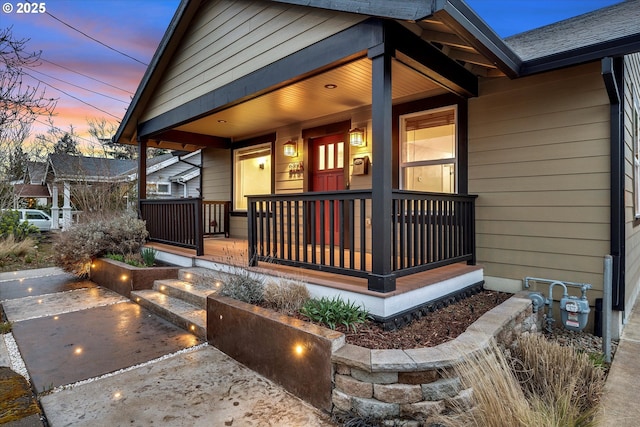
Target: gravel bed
581	341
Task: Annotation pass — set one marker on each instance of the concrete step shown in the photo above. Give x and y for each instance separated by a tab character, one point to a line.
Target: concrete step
175	310
193	293
203	276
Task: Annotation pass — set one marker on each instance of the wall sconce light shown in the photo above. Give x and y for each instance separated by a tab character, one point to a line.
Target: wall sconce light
356	137
291	148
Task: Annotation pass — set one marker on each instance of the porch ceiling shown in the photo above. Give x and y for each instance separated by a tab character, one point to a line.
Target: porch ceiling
310	99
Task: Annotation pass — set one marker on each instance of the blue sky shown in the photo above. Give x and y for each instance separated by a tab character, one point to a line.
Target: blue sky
94	81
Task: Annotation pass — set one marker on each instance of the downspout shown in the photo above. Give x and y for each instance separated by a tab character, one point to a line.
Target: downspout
612	73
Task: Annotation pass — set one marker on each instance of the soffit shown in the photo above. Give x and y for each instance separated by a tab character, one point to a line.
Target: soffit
309	100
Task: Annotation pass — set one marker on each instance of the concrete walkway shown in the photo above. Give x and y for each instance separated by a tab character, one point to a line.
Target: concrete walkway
96	358
621	406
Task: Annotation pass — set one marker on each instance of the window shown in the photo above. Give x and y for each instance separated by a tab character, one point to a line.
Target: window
252	173
163	188
636	154
428	151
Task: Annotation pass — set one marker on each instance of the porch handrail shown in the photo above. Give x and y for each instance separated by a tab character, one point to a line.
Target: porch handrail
174	221
429	230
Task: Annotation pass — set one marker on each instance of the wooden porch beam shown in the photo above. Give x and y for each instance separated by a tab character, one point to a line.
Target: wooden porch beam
142	169
382	278
430	61
191	138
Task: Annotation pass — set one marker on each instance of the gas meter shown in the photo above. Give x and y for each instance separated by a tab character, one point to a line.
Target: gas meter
574	312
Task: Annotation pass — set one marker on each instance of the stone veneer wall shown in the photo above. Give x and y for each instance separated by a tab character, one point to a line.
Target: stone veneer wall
418	383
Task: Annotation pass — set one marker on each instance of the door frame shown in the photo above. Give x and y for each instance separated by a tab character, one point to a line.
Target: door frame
318	132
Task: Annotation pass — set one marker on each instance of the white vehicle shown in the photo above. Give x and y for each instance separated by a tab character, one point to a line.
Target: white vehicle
35	217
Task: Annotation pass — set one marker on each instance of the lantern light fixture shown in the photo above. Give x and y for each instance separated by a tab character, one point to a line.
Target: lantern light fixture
356	137
291	148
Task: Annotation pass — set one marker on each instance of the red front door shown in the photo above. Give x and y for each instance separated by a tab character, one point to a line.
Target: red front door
327	174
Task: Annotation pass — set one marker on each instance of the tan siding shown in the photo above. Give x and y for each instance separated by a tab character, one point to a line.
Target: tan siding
539	161
230	39
632	231
216	174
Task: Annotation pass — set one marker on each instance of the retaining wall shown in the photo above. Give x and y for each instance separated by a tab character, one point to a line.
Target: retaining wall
417	383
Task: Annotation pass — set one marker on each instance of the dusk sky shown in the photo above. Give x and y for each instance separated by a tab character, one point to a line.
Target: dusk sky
95	81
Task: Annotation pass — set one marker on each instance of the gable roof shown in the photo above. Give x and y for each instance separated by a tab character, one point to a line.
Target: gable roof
66	166
450	26
31	190
36	172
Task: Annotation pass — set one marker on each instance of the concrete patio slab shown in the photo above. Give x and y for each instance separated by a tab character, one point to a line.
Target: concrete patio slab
21	287
203	387
66	348
33	307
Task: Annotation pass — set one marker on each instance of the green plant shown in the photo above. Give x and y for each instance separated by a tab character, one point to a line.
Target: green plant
115	257
5	327
243	286
334	311
149	256
287	296
10	225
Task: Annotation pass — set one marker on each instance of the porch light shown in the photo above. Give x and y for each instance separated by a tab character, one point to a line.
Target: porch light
291	149
356	137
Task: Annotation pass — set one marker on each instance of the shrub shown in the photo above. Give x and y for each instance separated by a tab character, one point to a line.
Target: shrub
10	247
334	311
243	286
287	296
541	384
121	234
10	225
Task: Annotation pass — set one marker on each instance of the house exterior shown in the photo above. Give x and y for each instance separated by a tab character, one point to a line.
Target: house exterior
174	175
381	139
65	171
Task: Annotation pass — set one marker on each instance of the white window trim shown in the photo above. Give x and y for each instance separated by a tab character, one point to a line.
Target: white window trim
445	161
266	146
157	184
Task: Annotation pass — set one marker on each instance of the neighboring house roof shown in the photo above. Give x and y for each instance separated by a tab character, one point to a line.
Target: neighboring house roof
186	176
31	190
65	166
36	171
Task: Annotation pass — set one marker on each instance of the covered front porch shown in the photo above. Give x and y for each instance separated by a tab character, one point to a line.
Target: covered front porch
297	187
415	294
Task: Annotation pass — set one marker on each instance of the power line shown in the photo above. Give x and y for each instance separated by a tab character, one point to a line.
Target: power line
86	75
94	39
79	87
64	131
74	97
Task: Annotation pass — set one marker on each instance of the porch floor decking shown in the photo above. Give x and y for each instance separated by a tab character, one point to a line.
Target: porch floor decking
233	251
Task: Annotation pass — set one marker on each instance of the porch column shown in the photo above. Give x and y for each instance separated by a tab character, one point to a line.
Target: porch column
142	169
66	207
382	278
55	211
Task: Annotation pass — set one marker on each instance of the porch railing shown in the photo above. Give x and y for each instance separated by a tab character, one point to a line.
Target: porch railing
332	231
174	221
215	217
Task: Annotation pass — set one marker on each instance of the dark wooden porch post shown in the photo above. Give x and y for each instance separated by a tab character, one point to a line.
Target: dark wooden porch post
142	169
382	278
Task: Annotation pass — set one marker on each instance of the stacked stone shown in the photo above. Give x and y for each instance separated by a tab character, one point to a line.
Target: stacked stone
416	384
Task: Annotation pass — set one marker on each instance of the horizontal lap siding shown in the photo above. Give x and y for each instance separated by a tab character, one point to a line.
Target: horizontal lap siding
632	231
539	161
230	39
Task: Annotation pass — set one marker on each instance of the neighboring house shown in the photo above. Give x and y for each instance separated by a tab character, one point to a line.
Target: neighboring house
31	195
65	171
174	175
409	136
